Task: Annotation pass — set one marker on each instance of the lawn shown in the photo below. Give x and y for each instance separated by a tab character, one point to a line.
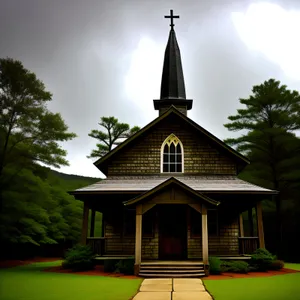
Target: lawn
292	266
280	287
30	283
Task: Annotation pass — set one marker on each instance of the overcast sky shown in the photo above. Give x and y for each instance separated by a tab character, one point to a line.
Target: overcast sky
104	58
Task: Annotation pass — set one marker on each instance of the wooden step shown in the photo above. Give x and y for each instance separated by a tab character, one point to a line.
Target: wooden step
172	269
195	275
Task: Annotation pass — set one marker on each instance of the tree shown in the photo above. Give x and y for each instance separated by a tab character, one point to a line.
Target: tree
38	210
114	132
29	132
270	119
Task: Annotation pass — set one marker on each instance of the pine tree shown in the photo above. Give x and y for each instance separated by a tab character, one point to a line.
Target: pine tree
269	120
114	132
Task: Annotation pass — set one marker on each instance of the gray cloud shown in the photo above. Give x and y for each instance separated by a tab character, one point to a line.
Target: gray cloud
82	51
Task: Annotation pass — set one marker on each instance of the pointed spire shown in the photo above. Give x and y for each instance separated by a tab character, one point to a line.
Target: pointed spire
172	82
172	90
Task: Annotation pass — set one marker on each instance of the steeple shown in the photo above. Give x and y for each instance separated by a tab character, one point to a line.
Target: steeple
172	83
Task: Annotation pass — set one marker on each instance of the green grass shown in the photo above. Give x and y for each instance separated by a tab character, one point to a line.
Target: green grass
279	287
292	266
30	283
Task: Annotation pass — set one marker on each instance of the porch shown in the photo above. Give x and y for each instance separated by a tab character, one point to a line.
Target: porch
215	245
185	225
247	245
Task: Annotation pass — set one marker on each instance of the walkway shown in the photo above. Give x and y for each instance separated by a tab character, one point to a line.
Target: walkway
175	289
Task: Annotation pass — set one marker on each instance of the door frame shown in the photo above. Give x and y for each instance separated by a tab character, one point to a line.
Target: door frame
184	233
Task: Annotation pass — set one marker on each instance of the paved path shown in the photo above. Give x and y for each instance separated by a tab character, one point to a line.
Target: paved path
175	289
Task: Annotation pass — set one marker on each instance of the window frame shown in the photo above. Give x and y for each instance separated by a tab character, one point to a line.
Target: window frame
171	137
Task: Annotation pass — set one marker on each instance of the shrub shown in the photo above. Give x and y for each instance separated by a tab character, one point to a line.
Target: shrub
125	266
252	268
261	259
79	258
225	266
214	265
110	265
235	266
239	267
276	265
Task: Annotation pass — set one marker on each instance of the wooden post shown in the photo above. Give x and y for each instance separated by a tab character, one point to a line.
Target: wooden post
92	230
241	223
138	239
260	226
204	238
103	226
250	222
85	220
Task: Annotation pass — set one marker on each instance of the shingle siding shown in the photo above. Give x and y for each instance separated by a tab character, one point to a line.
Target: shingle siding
200	156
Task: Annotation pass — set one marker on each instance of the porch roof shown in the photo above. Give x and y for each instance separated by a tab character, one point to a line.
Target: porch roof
168	182
226	184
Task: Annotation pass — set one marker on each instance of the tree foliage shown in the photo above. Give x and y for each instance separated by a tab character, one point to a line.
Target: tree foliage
35	206
114	132
269	121
29	132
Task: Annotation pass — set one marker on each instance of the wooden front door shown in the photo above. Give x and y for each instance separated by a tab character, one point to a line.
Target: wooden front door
172	232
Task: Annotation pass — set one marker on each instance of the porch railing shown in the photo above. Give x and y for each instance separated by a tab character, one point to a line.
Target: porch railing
248	245
97	244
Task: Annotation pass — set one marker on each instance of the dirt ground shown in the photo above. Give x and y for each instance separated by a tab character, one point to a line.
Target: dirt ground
228	275
99	271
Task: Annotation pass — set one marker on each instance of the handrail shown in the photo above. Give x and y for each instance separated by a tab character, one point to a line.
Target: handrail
97	244
248	245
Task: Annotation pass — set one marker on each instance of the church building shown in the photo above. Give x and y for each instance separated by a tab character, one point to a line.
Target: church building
171	197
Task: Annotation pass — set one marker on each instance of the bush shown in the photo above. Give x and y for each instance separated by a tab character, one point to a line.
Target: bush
110	265
239	267
276	265
261	259
235	266
79	258
225	266
214	265
125	266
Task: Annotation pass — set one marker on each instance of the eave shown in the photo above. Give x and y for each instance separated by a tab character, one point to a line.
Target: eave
171	181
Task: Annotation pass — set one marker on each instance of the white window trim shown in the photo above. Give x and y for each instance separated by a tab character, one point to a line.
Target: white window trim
171	136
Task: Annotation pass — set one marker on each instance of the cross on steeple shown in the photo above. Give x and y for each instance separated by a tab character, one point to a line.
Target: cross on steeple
172	17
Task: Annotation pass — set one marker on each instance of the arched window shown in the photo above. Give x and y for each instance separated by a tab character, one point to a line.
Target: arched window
172	155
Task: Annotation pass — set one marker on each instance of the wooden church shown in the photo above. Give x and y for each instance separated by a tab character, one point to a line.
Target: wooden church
172	197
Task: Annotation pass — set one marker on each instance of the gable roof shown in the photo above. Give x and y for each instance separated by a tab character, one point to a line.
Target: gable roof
100	163
168	182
